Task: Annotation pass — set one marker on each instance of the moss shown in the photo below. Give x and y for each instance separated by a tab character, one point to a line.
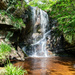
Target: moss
16	22
14	11
70	38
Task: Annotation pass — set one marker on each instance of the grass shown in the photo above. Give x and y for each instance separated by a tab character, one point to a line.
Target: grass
4	51
4	47
11	70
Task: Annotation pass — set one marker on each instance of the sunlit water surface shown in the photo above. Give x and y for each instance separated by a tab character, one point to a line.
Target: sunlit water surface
48	65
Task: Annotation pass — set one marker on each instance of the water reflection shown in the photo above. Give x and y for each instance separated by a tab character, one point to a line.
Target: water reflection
38	66
48	66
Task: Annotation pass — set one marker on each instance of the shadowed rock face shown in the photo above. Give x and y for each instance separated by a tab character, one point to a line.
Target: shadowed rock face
3	4
59	42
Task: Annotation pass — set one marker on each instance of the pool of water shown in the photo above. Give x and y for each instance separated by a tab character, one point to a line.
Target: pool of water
48	65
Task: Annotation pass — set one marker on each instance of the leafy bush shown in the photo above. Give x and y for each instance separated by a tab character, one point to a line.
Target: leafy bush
11	70
43	4
64	12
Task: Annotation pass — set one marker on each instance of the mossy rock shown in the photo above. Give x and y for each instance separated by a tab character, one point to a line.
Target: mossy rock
4	58
70	38
18	13
3	4
11	9
5	20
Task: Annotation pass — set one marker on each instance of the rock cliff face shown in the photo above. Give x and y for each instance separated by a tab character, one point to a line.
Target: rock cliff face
11	22
12	27
21	36
60	42
3	4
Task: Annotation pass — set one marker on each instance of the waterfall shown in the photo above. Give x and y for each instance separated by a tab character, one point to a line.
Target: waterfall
40	22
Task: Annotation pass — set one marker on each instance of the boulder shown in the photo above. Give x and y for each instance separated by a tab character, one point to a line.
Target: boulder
36	35
17	54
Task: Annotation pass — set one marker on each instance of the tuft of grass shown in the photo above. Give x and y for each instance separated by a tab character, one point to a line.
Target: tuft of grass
4	50
11	70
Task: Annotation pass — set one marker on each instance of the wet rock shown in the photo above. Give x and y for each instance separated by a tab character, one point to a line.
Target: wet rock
38	21
36	35
39	30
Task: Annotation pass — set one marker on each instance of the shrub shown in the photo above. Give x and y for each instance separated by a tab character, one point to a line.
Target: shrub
64	12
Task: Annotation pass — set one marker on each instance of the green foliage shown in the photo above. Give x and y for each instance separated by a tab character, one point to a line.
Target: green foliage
43	4
2	12
16	22
9	34
18	3
64	12
11	70
4	50
12	2
5	47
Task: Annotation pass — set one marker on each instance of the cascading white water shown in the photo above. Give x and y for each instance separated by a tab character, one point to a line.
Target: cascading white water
39	18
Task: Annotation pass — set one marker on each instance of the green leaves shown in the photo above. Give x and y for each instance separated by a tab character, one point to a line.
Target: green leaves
64	12
43	4
17	22
4	47
11	70
4	50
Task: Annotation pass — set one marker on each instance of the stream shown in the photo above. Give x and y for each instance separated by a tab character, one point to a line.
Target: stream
48	65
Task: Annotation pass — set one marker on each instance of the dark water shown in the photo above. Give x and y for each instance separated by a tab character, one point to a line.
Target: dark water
48	65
